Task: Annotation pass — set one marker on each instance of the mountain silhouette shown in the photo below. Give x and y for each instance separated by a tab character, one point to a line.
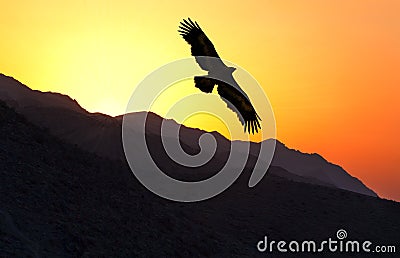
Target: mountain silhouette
58	200
101	134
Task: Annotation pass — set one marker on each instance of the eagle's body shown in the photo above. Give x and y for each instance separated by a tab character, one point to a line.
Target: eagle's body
228	88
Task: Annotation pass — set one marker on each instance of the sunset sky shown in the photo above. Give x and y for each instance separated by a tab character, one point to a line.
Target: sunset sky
331	69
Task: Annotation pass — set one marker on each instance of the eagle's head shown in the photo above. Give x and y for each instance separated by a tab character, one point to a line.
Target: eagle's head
231	69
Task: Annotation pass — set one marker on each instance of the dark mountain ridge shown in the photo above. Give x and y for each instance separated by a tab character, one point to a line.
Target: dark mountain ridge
101	134
59	201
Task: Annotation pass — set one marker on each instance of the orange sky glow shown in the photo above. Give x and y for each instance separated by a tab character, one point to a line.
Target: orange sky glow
331	69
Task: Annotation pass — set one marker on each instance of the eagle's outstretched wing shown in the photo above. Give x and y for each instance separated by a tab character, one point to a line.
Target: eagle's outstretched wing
240	102
200	44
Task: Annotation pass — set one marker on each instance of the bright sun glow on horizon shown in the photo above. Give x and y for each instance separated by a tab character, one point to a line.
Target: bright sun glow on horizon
329	68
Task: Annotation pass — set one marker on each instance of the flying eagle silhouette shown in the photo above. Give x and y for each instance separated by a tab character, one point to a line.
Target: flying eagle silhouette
228	89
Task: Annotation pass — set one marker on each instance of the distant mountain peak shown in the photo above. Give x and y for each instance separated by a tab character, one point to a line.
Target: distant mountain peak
19	95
